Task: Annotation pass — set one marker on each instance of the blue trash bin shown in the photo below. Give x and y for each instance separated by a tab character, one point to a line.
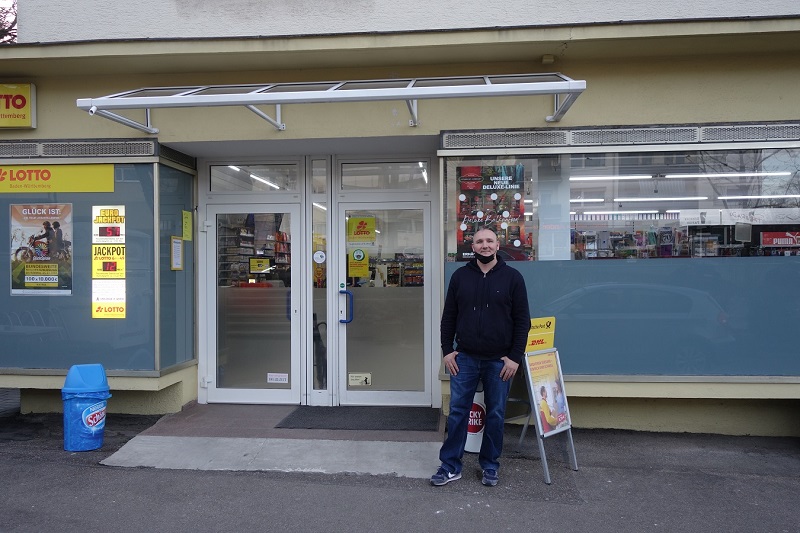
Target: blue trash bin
84	394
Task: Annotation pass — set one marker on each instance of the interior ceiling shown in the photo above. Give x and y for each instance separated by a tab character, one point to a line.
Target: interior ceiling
242	150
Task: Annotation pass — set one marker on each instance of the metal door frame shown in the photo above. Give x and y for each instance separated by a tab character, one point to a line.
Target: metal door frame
338	360
297	367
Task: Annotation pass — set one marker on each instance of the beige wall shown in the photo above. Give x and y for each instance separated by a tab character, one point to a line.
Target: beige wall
619	92
728	408
131	395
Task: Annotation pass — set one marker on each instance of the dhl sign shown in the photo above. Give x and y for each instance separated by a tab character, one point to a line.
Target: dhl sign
542	334
18	105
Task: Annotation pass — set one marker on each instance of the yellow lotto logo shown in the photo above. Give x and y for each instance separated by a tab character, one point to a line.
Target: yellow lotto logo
361	229
17	105
56	178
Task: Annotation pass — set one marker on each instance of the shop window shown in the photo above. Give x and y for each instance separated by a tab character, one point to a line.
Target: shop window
382	176
83	291
176	285
652	263
271	178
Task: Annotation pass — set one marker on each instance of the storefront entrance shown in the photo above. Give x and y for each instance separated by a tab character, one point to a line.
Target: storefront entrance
254	315
383	311
328	303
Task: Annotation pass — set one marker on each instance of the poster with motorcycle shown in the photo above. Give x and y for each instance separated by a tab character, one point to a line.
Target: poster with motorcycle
492	197
41	249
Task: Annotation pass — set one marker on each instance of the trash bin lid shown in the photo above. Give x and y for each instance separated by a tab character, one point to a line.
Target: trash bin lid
86	378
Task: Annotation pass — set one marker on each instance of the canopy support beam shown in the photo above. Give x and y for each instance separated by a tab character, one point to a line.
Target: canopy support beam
412	108
560	108
280	126
146	128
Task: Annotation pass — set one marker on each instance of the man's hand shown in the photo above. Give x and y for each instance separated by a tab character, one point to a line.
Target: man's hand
450	363
509	368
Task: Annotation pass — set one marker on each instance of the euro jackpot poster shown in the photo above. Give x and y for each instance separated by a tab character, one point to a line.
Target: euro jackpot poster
548	395
492	197
41	249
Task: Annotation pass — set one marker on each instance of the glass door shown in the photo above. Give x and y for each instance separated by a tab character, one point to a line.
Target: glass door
384	310
254	316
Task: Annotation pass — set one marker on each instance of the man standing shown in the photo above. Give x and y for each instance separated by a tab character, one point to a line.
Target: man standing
486	318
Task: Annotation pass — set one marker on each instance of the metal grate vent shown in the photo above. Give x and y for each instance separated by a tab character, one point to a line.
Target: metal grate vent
621	136
98	149
755	132
177	157
504	139
18	149
78	149
634	136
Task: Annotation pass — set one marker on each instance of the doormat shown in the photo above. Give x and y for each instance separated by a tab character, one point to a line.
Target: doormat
362	418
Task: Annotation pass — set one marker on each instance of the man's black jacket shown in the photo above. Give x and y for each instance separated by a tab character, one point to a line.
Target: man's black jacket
486	316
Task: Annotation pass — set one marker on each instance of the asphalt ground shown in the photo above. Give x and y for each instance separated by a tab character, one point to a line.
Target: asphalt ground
626	481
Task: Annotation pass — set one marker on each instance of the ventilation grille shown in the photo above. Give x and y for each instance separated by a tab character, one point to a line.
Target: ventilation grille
79	149
19	149
764	132
634	136
505	139
620	136
177	157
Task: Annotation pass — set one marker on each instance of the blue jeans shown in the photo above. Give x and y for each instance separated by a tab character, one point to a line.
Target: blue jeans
462	392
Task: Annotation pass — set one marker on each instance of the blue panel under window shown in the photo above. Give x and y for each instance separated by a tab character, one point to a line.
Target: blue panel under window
680	317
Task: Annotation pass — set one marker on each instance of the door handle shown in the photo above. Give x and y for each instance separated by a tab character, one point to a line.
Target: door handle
349	307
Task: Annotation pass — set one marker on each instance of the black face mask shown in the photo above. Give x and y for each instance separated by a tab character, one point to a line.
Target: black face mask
485	259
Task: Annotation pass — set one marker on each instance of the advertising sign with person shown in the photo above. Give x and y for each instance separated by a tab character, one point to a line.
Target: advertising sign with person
548	388
41	249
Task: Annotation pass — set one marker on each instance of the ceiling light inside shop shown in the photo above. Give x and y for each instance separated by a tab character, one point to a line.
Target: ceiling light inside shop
609	178
581	200
262	180
728	175
663	199
319	206
237	169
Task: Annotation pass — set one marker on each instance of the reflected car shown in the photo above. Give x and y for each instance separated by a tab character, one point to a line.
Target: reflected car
638	328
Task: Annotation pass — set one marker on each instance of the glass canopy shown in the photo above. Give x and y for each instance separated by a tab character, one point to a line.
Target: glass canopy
564	89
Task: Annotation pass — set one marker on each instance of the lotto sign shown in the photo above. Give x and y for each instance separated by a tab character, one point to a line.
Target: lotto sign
18	106
27	179
108	261
361	230
108	224
108	298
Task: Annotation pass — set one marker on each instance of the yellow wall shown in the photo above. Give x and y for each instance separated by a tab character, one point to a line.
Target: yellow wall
620	91
740	409
131	395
